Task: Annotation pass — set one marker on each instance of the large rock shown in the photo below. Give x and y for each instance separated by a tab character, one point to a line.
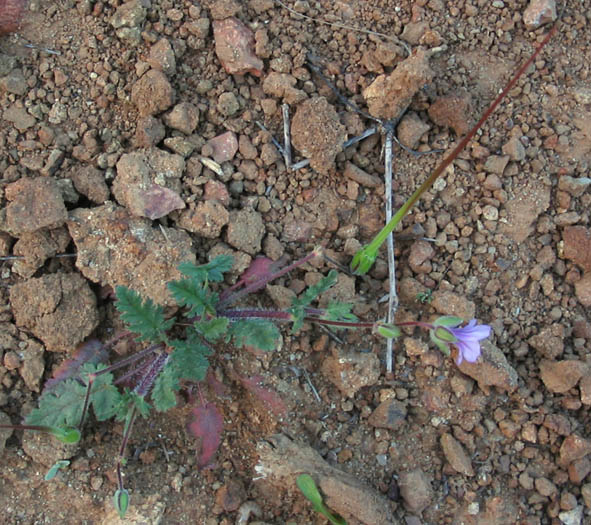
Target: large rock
152	93
577	246
234	46
491	369
282	460
115	248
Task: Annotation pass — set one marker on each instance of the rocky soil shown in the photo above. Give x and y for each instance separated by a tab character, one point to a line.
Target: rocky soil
129	142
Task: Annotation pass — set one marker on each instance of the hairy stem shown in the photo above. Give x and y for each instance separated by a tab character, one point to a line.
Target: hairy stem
379	239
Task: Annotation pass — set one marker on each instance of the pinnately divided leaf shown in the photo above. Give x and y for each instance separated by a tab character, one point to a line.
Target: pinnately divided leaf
212	329
142	317
260	333
213	271
63	404
194	296
298	305
339	312
189	358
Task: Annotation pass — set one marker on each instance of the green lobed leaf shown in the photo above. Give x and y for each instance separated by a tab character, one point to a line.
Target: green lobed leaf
307	485
128	400
165	386
189	358
143	317
194	296
260	333
104	396
68	435
213	271
62	405
340	312
212	329
298	305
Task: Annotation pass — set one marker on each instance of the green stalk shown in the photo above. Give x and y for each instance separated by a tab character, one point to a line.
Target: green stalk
364	258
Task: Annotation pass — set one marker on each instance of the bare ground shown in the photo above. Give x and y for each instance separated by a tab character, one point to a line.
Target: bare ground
503	441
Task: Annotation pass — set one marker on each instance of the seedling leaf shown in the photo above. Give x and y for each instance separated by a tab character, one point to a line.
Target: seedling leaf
207	425
308	487
260	333
51	473
121	501
143	317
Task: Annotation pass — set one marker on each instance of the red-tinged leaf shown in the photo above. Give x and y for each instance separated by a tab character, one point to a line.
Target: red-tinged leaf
11	15
268	396
159	201
91	351
207	426
258	269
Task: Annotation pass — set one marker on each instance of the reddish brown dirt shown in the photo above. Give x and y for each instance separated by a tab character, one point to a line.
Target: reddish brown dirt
436	443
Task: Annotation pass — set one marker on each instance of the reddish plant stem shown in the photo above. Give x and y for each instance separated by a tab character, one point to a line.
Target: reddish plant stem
342	324
286	316
131	359
37	428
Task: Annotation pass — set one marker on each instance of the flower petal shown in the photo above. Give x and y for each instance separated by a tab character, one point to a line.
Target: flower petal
470	351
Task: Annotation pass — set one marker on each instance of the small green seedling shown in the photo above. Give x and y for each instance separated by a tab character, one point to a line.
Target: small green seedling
425	297
309	489
52	472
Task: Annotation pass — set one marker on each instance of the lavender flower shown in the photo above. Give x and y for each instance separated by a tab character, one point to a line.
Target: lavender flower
445	332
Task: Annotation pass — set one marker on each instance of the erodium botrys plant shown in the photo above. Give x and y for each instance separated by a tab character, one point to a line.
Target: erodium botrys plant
177	351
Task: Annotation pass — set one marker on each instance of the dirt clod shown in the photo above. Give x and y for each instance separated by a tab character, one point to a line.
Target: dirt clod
350	371
317	133
34	204
388	96
60	309
246	231
415	490
454	111
152	93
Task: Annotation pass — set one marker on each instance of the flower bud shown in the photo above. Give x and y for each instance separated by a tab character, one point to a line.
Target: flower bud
121	500
449	321
389	331
362	262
